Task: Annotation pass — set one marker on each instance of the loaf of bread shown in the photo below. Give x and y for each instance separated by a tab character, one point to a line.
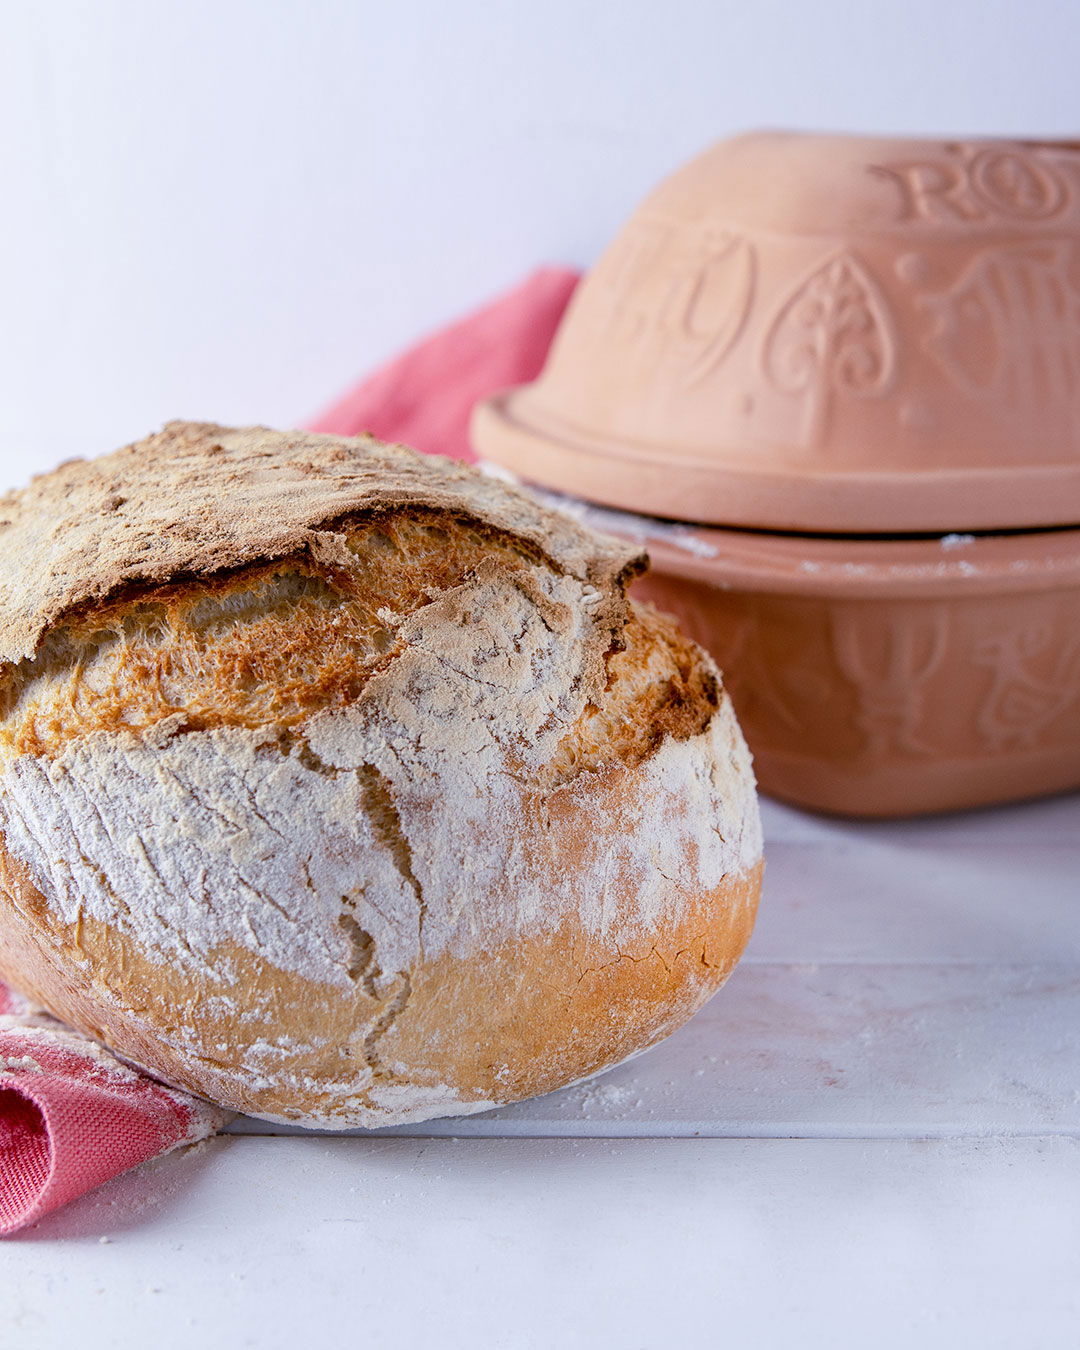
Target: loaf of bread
344	786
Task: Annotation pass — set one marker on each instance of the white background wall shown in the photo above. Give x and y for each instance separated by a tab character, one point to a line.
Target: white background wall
230	208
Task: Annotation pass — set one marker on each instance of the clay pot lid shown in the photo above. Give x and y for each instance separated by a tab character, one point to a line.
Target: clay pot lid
937	565
825	333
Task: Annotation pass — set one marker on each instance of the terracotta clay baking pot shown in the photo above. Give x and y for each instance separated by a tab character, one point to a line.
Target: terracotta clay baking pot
859	337
825	333
883	677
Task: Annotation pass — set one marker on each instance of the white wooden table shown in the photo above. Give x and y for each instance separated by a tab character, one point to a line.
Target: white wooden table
870	1138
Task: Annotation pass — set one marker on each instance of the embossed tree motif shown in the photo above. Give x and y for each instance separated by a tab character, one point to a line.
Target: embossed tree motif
890	672
1036	677
833	337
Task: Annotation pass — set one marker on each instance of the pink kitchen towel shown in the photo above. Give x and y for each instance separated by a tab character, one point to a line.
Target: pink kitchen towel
71	1115
424	398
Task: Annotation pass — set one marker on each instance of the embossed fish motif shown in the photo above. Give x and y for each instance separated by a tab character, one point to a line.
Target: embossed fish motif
1023	703
1011	324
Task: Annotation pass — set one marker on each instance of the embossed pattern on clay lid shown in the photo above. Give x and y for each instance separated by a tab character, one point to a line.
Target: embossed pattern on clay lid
825	333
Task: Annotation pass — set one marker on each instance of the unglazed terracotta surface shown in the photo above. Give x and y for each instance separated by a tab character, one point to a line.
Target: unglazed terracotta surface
892	678
825	333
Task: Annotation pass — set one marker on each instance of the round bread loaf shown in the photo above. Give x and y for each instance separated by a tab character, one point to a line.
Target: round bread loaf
344	786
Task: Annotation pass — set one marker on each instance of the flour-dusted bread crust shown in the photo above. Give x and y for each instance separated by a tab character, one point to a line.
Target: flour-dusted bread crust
344	786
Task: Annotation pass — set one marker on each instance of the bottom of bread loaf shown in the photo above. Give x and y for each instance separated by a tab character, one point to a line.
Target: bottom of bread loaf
521	1019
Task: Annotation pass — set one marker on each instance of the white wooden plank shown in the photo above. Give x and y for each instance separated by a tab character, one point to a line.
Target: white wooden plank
833	1050
885	899
532	1244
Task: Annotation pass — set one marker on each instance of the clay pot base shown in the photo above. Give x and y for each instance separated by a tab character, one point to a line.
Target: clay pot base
881	677
893	677
898	790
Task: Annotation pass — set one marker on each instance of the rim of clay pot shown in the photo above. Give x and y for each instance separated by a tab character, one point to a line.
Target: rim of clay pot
945	565
678	486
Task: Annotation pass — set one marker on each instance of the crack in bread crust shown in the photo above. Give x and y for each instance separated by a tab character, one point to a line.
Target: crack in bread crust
273	644
266	645
198	500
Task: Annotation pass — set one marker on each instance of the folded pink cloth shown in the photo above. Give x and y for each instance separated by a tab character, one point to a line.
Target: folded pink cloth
424	398
71	1115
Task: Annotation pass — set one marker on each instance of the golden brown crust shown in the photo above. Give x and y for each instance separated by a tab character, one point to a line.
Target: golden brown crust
272	643
266	644
198	499
657	687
